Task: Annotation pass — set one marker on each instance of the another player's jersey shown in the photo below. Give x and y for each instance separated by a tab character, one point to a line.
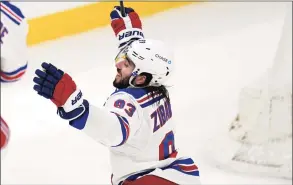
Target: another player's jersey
4	134
13	32
139	130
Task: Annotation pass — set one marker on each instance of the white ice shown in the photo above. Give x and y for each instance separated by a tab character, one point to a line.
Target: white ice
219	48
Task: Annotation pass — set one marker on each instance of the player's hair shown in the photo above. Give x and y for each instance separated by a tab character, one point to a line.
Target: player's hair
155	90
158	90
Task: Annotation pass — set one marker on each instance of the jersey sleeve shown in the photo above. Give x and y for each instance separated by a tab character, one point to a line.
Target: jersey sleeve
115	123
14	30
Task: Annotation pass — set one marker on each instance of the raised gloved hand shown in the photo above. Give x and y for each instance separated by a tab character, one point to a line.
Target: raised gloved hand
126	28
54	84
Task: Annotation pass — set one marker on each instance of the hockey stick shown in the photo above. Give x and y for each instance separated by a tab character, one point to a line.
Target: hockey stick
122	9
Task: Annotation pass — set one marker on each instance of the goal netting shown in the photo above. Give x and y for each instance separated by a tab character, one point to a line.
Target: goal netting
263	127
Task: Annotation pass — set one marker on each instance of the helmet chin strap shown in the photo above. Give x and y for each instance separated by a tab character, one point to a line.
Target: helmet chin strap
134	75
132	79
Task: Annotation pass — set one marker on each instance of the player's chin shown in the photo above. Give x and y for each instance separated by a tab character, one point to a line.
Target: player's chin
117	80
120	83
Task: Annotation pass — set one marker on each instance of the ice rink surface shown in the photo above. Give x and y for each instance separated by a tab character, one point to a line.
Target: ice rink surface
219	48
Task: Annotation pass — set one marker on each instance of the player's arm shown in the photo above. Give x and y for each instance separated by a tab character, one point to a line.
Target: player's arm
128	28
14	31
111	126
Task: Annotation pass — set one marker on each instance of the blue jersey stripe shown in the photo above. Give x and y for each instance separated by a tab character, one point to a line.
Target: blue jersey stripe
15	71
15	21
138	93
171	166
182	161
135	92
152	101
124	128
193	173
14	9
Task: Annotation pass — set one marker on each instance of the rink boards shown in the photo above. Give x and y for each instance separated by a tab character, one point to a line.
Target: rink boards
87	17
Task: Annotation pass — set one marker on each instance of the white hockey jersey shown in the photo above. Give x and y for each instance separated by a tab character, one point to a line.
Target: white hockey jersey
139	131
13	32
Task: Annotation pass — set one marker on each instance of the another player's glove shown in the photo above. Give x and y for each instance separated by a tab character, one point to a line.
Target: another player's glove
126	28
54	84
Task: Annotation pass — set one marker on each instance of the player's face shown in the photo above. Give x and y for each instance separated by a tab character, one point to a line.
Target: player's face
124	70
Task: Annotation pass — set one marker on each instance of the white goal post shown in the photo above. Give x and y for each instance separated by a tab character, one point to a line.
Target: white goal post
263	127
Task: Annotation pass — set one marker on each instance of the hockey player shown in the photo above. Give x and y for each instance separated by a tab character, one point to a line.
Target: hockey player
13	33
136	121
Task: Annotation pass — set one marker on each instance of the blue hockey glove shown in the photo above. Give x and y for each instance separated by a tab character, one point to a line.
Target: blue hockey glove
54	84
